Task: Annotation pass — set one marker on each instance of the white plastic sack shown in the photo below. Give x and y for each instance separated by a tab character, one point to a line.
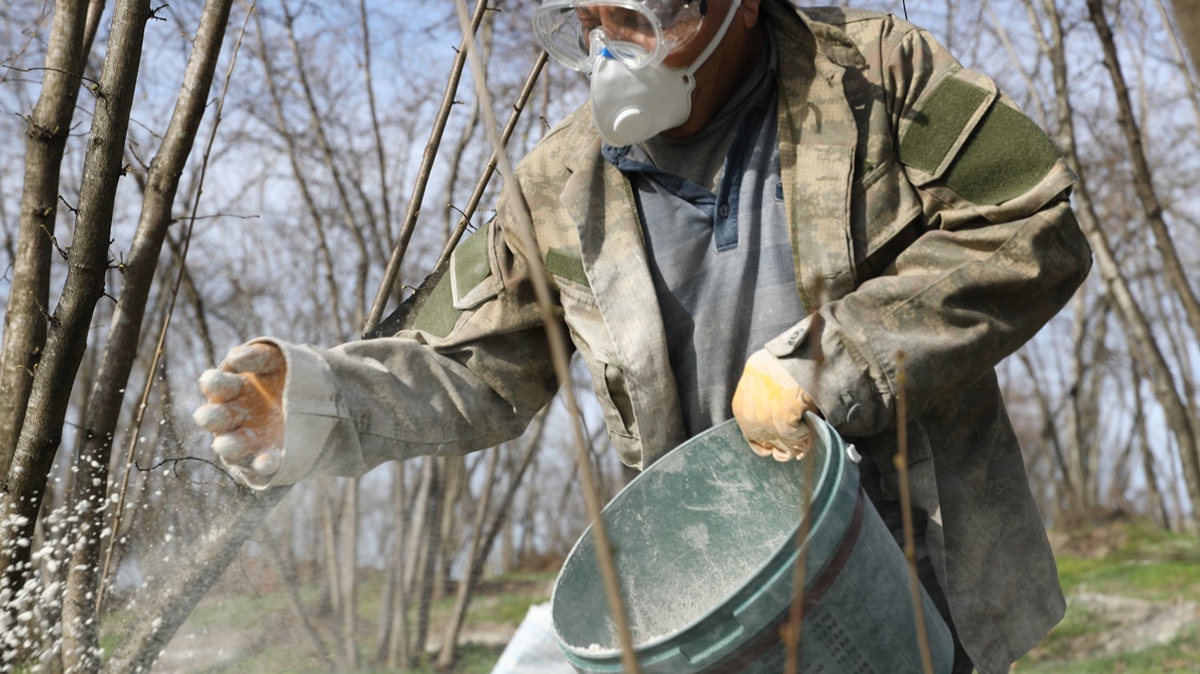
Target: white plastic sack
533	649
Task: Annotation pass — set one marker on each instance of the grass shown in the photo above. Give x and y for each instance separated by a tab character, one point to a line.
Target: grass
472	659
1132	560
262	628
1181	655
1138	561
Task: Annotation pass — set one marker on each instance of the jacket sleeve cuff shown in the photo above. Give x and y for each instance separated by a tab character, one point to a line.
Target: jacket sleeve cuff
310	409
836	373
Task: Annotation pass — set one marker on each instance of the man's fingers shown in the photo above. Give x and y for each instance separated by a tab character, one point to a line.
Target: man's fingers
242	446
258	357
770	406
267	462
787	450
776	428
760	449
787	416
219	418
221	386
236	448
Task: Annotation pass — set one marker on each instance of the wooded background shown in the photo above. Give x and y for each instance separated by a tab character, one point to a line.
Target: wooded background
177	179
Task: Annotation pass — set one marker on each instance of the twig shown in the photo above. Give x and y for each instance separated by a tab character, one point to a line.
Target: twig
791	632
162	333
175	468
558	353
486	176
74	211
418	193
910	549
94	84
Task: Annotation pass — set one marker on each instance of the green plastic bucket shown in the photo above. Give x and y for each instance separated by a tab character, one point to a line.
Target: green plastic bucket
705	546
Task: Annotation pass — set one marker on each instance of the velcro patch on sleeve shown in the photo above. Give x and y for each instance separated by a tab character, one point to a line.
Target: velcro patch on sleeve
1006	156
438	314
939	123
566	266
462	287
470	269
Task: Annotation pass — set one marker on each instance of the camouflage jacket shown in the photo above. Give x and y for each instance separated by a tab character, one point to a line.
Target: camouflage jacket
930	220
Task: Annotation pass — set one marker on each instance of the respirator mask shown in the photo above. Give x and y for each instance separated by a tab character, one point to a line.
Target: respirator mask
623	44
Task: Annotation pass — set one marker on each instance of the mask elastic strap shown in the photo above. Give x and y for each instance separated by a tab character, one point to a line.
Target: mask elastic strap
716	39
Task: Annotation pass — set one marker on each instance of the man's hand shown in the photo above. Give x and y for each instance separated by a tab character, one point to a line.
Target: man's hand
245	409
769	406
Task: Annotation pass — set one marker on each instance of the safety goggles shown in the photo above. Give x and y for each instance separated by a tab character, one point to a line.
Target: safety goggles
640	33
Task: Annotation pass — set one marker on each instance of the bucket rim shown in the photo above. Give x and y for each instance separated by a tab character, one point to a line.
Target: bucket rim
777	566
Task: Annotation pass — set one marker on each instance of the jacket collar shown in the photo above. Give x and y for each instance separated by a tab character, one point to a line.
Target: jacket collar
817	140
826	38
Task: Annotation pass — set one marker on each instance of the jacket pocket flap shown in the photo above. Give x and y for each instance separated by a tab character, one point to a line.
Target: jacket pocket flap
567	266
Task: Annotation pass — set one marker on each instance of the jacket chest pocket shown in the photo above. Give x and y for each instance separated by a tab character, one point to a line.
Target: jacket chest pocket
886	217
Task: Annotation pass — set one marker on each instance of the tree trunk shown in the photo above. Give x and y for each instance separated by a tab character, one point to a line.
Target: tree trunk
287	573
1049	434
482	540
1091	384
177	590
104	404
382	238
426	553
1155	500
298	173
1187	14
332	599
41	431
1143	179
1133	320
445	657
349	220
454	486
1076	447
29	296
393	639
1174	408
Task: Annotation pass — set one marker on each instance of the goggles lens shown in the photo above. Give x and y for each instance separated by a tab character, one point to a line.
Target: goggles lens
639	33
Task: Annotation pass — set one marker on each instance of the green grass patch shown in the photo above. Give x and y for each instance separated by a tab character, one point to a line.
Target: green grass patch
1181	655
1125	559
472	659
238	611
502	609
1148	564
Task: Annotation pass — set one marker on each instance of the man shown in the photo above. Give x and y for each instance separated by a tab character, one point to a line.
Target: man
760	212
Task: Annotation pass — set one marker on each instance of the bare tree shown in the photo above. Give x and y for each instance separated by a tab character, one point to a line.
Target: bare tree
104	407
1187	13
1182	419
88	262
29	297
486	526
